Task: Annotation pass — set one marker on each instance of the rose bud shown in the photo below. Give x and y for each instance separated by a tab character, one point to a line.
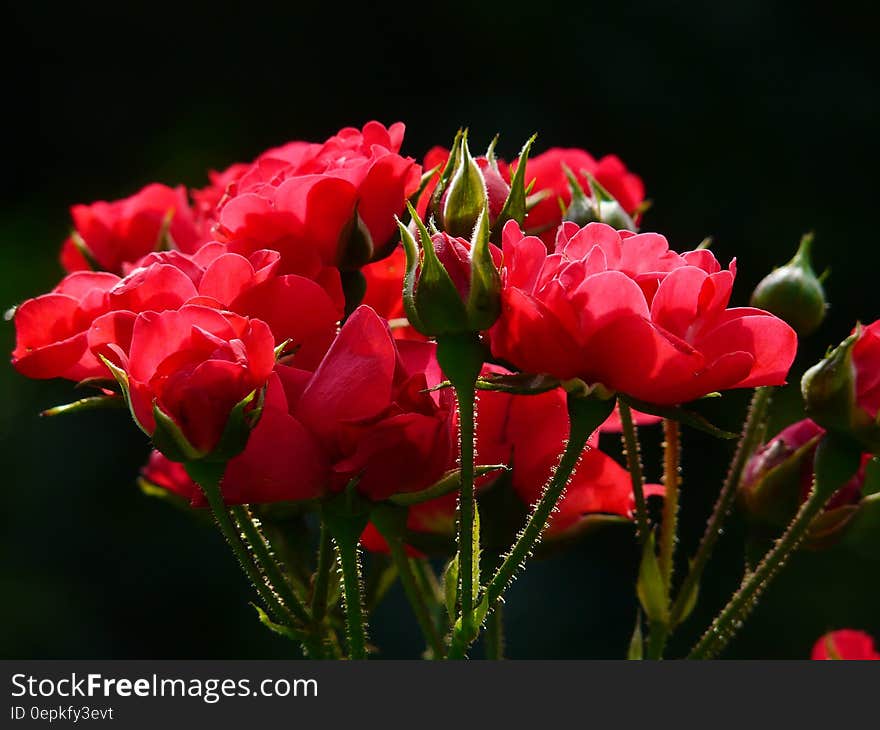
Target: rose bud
846	644
193	377
794	292
842	392
600	206
779	477
453	286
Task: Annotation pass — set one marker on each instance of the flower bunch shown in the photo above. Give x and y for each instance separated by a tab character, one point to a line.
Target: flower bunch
432	361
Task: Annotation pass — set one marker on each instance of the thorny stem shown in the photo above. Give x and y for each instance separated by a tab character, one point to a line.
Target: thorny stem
355	623
208	476
584	418
415	596
326	559
671	480
634	464
465	397
494	637
751	435
835	464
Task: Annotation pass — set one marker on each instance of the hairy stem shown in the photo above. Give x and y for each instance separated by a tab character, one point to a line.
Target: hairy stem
751	436
634	464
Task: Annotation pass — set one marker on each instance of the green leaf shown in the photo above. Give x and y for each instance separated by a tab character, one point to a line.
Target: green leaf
517	384
153	490
484	299
636	643
516	206
286	631
650	587
690	602
677	413
449	482
86	404
450	588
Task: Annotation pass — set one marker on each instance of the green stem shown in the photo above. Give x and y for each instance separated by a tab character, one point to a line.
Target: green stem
835	463
495	633
322	574
416	597
751	436
634	464
355	622
585	415
671	480
465	395
208	476
256	541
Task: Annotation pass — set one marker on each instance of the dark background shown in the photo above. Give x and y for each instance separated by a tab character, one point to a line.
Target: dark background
751	121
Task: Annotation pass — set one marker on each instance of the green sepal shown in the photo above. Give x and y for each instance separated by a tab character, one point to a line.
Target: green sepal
466	194
516	206
829	392
346	514
84	250
609	210
650	587
92	403
438	304
449	482
679	414
411	250
165	241
155	491
450	588
445	174
862	534
690	603
356	247
582	209
242	420
121	377
484	299
169	439
636	649
424	181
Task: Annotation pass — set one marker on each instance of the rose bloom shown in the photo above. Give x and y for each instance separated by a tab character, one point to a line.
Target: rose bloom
54	331
330	204
363	413
194	364
623	310
121	232
846	644
529	433
866	361
548	172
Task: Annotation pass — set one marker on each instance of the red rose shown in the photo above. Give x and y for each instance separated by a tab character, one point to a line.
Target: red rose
160	471
548	172
124	230
51	330
866	362
846	644
194	364
623	310
332	204
208	199
363	413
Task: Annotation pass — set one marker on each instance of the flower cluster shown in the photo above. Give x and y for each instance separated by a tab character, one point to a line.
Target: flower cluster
424	357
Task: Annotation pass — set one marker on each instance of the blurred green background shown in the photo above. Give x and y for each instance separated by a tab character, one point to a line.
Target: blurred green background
751	121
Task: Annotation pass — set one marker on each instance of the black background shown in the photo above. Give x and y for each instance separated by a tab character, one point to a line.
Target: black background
751	121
